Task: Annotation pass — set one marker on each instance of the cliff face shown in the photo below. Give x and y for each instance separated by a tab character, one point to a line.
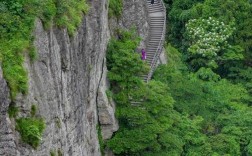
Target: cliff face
134	15
63	84
67	84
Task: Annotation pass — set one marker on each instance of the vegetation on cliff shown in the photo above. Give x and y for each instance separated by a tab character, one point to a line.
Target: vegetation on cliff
31	130
115	8
17	18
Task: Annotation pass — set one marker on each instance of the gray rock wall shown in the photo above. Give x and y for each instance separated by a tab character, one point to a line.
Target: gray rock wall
106	109
7	139
63	84
162	57
134	14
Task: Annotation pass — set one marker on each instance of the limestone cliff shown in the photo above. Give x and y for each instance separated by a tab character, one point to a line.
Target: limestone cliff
63	84
68	85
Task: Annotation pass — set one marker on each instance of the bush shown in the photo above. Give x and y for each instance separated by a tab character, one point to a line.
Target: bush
31	130
115	8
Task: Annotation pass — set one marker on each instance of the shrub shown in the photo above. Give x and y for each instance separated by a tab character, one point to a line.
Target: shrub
31	130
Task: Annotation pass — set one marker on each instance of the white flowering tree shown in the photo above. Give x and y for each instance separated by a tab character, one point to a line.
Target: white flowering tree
208	42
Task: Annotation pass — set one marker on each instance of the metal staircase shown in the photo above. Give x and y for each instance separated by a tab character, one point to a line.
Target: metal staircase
157	20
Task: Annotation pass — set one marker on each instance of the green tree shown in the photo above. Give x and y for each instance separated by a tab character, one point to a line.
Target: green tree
208	43
240	11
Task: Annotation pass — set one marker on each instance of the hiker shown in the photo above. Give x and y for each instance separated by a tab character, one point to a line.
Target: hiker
152	2
143	54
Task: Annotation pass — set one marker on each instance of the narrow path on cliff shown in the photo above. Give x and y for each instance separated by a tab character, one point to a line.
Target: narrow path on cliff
157	20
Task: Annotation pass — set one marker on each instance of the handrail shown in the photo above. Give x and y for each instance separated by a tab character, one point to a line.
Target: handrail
160	46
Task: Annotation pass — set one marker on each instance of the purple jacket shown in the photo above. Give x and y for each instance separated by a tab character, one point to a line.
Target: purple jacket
143	54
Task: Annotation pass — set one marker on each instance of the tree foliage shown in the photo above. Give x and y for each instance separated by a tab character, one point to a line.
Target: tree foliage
218	102
238	11
208	43
213	80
